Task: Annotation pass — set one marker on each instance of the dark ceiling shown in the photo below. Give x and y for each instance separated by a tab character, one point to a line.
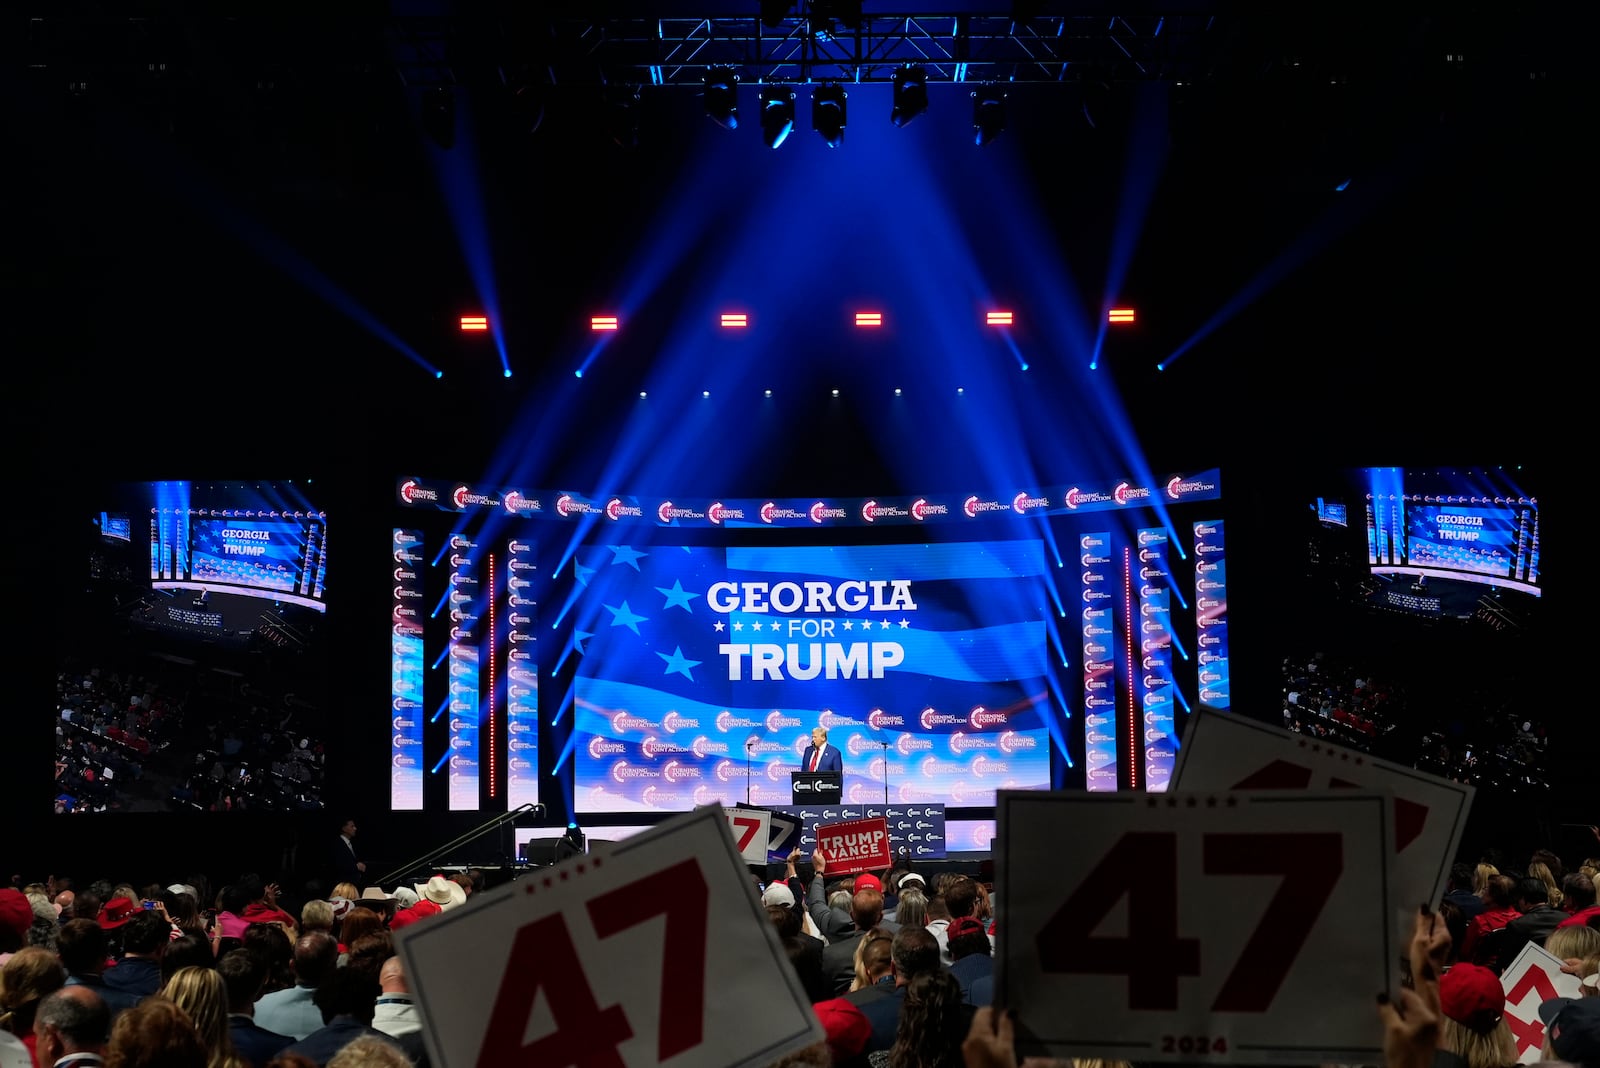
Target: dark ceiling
196	188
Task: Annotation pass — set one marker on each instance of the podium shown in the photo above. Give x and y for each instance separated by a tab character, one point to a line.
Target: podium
816	787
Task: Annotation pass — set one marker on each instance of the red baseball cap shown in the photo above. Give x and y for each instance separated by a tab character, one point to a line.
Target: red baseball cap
868	881
1471	994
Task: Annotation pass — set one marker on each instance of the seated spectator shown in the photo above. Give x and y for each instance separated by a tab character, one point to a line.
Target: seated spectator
204	996
1499	895
82	946
1579	896
243	976
156	1033
1552	887
293	1012
973	952
347	1002
931	1024
187	950
1474	1028
1572	943
16	920
74	1020
31	975
269	943
369	1052
1538	918
145	938
358	923
912	910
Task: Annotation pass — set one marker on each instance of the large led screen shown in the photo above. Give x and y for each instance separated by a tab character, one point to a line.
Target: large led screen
704	670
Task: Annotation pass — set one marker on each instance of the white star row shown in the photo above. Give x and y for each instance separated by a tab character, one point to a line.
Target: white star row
849	624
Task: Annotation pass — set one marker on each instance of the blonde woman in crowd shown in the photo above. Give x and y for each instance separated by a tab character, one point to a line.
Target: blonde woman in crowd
1573	943
201	993
1541	871
1474	1027
867	954
1481	876
912	911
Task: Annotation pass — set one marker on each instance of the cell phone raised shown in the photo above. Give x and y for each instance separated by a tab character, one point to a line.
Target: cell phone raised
147	904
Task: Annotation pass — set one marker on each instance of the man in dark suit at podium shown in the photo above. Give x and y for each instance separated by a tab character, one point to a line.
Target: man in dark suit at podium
819	755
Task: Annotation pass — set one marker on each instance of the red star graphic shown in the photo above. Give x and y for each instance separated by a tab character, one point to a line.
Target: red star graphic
564	876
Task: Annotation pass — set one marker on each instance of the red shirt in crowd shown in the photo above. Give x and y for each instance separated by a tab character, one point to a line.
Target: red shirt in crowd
1483	923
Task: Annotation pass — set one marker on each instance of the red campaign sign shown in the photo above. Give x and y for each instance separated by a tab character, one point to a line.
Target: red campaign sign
854	846
1226	751
1533	977
614	958
1235	927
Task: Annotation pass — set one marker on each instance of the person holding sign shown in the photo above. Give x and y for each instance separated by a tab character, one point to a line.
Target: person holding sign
819	755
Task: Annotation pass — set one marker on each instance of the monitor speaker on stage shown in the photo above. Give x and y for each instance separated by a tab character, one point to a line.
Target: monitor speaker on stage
812	787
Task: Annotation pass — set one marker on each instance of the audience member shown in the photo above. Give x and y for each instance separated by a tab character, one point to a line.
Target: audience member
31	975
243	977
346	1002
1474	1028
202	993
972	951
292	1012
156	1033
930	1026
82	946
73	1022
145	938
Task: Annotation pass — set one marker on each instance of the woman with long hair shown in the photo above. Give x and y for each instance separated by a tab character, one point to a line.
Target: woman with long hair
202	994
1474	1027
32	974
1552	889
155	1033
933	1023
1574	942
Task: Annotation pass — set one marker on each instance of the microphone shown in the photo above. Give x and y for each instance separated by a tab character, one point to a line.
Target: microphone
749	743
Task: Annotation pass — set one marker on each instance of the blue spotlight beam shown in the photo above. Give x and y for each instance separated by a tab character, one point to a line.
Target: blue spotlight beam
462	190
561	760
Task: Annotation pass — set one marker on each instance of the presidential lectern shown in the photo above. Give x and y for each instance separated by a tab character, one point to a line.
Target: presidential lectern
816	787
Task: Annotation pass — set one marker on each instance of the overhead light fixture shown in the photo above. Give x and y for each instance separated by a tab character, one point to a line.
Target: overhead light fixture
988	115
910	94
777	114
439	115
828	114
722	97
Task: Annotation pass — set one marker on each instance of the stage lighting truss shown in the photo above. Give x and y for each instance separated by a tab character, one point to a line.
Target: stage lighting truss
988	115
910	94
722	97
777	114
828	114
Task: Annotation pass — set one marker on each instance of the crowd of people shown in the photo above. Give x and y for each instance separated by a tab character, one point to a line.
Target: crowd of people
1483	733
898	965
163	733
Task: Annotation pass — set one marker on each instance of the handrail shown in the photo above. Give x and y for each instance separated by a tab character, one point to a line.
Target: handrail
477	832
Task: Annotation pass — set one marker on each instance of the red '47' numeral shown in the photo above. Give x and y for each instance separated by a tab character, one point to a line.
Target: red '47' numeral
544	958
747	829
1143	867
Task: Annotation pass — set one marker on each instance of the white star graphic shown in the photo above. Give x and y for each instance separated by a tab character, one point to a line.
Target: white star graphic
848	625
738	624
904	624
775	624
717	626
884	625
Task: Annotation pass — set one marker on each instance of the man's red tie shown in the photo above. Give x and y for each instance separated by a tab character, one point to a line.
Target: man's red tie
816	756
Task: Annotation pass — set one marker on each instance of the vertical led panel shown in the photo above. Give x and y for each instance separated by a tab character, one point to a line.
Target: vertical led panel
1099	662
405	674
1211	613
1153	680
465	677
522	677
